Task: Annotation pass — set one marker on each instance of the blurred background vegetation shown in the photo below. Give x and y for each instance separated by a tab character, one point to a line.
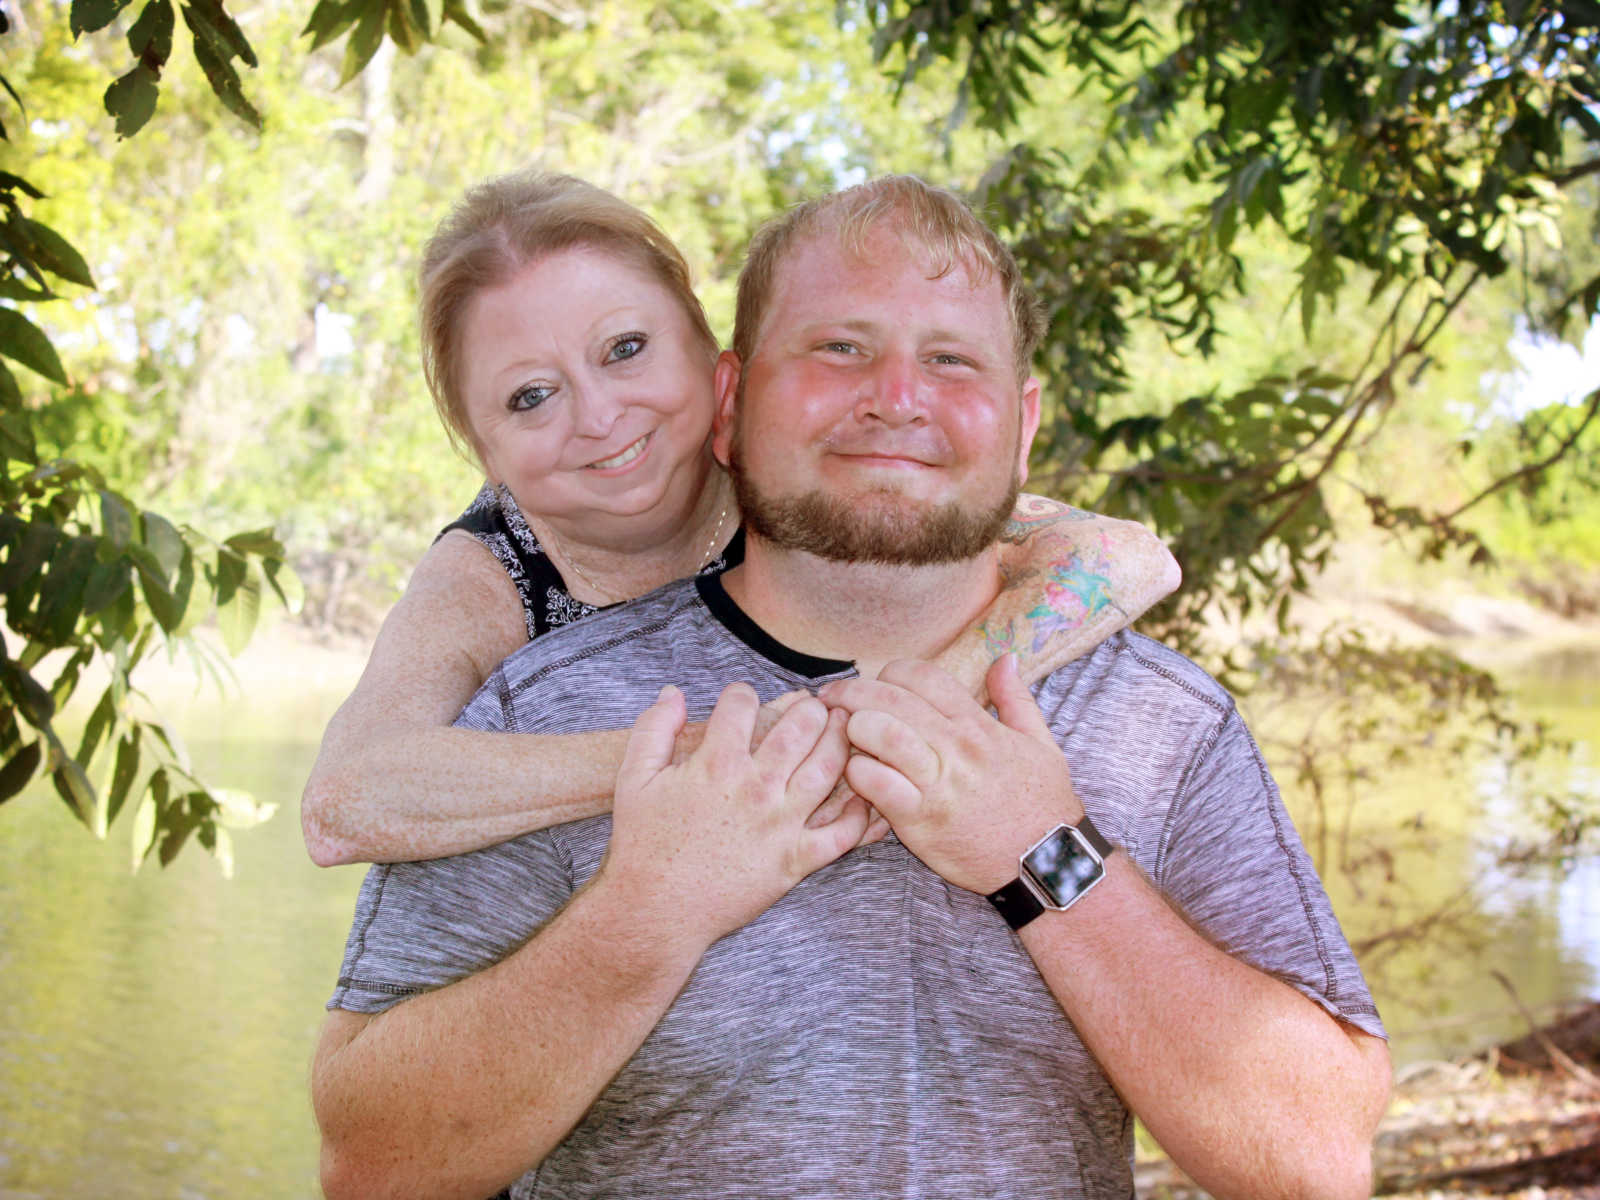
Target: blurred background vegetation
1322	280
1297	259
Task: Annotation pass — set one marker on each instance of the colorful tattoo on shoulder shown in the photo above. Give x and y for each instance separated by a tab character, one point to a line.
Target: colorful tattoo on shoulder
1077	586
1033	514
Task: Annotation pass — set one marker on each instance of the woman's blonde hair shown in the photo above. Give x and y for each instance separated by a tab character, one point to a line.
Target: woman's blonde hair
501	226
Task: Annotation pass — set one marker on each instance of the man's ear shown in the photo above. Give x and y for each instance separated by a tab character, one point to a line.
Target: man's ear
726	386
1030	425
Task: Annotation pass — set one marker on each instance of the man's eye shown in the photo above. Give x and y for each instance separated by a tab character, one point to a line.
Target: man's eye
949	360
528	397
626	346
839	347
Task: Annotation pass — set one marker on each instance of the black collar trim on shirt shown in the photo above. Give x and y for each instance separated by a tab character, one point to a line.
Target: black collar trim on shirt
758	639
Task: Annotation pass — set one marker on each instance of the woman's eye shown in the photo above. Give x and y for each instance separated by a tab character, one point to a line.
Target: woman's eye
528	397
625	347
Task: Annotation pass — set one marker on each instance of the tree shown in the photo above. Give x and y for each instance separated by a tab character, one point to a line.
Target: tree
89	576
1413	152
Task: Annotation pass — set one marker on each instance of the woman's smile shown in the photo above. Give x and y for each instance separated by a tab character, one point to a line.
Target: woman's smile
630	455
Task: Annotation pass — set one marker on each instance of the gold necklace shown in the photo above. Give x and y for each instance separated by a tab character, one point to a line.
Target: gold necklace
610	596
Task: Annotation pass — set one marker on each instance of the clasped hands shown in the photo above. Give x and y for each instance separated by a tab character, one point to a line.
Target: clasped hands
727	830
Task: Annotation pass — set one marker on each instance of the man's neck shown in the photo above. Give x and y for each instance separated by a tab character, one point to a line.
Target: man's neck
866	612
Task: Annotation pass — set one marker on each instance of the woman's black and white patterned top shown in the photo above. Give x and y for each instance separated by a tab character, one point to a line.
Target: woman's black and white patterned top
495	520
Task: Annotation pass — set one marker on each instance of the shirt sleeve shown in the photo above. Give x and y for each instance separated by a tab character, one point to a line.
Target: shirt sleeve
1232	861
422	925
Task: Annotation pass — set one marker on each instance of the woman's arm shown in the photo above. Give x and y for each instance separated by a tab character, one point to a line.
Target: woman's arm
1072	579
393	781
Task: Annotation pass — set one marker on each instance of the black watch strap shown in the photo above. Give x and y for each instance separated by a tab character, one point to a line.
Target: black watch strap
1016	901
1092	835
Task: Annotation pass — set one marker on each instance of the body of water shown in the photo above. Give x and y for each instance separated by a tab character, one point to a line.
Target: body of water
156	1029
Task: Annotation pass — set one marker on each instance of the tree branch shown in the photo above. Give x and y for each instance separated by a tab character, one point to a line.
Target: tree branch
1533	468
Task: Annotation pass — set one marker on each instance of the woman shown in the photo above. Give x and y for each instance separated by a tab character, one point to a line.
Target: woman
566	349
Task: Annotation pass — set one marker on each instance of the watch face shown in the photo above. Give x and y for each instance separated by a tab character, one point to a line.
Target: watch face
1063	865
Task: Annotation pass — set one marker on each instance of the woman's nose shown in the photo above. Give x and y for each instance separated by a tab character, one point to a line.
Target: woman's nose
596	411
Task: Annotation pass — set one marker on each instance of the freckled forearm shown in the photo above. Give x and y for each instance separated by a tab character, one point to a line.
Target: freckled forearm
1240	1078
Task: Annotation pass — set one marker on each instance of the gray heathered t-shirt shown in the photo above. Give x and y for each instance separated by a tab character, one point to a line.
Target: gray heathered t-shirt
878	1032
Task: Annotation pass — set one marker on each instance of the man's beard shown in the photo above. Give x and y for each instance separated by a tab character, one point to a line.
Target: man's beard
880	526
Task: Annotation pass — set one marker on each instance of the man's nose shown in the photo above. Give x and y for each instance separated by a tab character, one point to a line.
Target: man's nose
895	392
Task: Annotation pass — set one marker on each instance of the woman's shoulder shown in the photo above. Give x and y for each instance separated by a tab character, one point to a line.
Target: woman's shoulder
494	519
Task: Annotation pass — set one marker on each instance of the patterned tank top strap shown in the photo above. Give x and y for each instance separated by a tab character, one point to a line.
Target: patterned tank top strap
495	520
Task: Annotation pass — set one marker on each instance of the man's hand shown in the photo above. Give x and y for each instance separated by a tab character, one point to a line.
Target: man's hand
723	835
965	792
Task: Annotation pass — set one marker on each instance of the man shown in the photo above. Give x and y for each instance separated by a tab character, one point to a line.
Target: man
721	991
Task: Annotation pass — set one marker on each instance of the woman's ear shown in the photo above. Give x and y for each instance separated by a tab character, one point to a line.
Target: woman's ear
726	385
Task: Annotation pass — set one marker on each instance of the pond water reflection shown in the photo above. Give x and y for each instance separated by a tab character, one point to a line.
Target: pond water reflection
155	1030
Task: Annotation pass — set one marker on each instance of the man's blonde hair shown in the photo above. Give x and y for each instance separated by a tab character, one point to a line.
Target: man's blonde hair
934	220
507	223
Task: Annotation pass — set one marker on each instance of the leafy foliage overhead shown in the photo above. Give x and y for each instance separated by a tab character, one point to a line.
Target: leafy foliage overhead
1417	150
87	575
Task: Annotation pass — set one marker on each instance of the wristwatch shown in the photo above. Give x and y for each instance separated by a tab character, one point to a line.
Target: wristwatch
1055	873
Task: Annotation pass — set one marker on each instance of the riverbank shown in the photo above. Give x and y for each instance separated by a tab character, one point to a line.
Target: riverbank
1521	1121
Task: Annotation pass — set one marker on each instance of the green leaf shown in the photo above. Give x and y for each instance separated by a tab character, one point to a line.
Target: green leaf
150	39
169	598
238	809
26	343
163	541
91	15
183	820
16	437
16	183
209	20
132	100
108	582
28	694
364	42
64	590
238	612
75	790
144	819
402	31
429	16
11	395
286	583
57	255
330	20
123	775
116	522
173	744
18	771
222	850
457	11
20	289
30	544
214	48
95	728
258	541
